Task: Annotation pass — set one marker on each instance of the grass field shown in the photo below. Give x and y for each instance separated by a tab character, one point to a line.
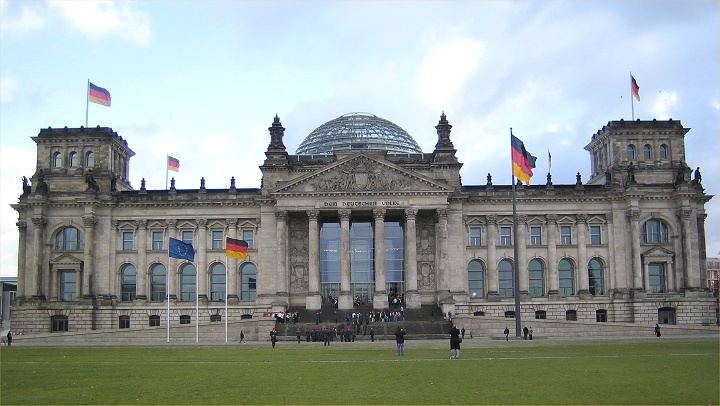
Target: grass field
657	371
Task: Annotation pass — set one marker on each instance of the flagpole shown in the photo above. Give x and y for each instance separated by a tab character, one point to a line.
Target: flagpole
226	303
632	102
167	292
518	322
197	299
167	169
87	103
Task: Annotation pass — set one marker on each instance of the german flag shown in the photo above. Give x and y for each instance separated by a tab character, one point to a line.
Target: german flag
634	88
522	160
98	95
236	248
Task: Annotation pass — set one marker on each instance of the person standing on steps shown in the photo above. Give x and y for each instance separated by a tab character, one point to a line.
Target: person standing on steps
455	341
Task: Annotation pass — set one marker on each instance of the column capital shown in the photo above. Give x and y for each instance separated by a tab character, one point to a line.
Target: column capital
582	218
21	225
344	214
379	214
138	223
201	223
442	213
231	222
411	214
491	219
171	223
684	214
522	218
551	218
281	215
39	222
633	214
313	214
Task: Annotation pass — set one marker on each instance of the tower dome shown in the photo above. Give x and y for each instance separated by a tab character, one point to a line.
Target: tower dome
355	132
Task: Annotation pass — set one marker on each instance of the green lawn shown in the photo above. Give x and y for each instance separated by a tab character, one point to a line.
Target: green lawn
662	371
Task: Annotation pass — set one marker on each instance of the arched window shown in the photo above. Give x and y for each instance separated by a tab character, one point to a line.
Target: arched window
631	152
154	321
73	159
663	152
124	322
58	323
187	282
476	279
90	159
128	283
566	276
506	278
57	160
536	274
654	231
666	315
157	283
647	152
596	282
248	282
217	281
69	239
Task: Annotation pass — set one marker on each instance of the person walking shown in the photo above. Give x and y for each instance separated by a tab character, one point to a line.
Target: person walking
9	337
657	333
507	333
400	340
455	341
525	333
462	333
273	337
298	333
530	333
372	334
242	336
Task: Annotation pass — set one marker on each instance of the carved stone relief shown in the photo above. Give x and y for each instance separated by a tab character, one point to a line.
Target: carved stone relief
298	247
361	175
426	251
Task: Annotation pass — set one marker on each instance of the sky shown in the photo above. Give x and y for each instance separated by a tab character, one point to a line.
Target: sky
203	80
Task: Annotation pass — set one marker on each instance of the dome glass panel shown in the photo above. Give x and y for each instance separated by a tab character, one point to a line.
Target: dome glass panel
355	132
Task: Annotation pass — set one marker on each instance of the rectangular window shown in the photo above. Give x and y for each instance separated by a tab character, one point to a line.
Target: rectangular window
157	240
248	237
127	241
187	237
656	275
595	236
217	240
535	236
68	282
565	235
475	236
505	236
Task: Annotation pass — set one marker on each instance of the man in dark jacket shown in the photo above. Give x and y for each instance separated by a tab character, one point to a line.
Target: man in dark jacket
455	341
400	339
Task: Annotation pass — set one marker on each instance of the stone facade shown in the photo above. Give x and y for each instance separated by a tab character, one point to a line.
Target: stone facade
627	246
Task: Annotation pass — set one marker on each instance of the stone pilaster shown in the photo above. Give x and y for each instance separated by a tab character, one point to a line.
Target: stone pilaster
345	299
412	296
380	297
442	257
22	252
314	299
35	279
201	264
492	272
89	222
634	217
552	277
583	281
281	228
522	263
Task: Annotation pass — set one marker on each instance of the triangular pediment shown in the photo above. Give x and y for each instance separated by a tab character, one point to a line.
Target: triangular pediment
66	260
361	174
658	252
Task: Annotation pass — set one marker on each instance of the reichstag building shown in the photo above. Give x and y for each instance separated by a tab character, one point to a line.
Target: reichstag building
360	215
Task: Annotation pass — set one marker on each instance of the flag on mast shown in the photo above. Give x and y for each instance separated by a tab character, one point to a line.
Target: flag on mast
635	88
236	248
173	164
549	160
181	250
97	94
522	160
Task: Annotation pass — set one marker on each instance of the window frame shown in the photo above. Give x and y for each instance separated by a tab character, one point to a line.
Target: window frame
124	321
535	235
158	240
506	236
128	241
67	288
57	160
595	235
249	237
476	279
248	282
73	161
475	236
508	277
128	287
158	291
537	276
647	152
664	152
216	282
565	238
631	152
89	159
218	242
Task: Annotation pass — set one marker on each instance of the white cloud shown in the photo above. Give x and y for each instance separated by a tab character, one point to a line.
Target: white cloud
447	68
662	108
29	19
98	18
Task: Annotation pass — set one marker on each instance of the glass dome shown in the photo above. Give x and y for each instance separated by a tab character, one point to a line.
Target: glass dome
354	132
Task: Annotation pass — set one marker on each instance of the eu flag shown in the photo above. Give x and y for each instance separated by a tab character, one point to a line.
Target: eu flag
181	250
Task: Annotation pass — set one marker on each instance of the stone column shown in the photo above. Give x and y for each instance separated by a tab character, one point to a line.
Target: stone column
173	264
36	275
232	266
442	256
380	297
412	296
692	280
22	251
552	266
492	266
89	222
314	299
522	263
345	301
281	241
582	254
634	217
201	264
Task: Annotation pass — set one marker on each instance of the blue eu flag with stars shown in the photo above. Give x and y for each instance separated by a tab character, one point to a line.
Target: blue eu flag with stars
181	250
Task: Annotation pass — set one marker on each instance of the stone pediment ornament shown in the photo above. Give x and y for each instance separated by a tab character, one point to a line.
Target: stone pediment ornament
658	252
65	260
361	174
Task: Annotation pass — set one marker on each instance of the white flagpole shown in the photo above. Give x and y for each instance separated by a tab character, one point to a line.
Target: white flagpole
226	303
167	293
167	161
87	102
518	322
632	96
